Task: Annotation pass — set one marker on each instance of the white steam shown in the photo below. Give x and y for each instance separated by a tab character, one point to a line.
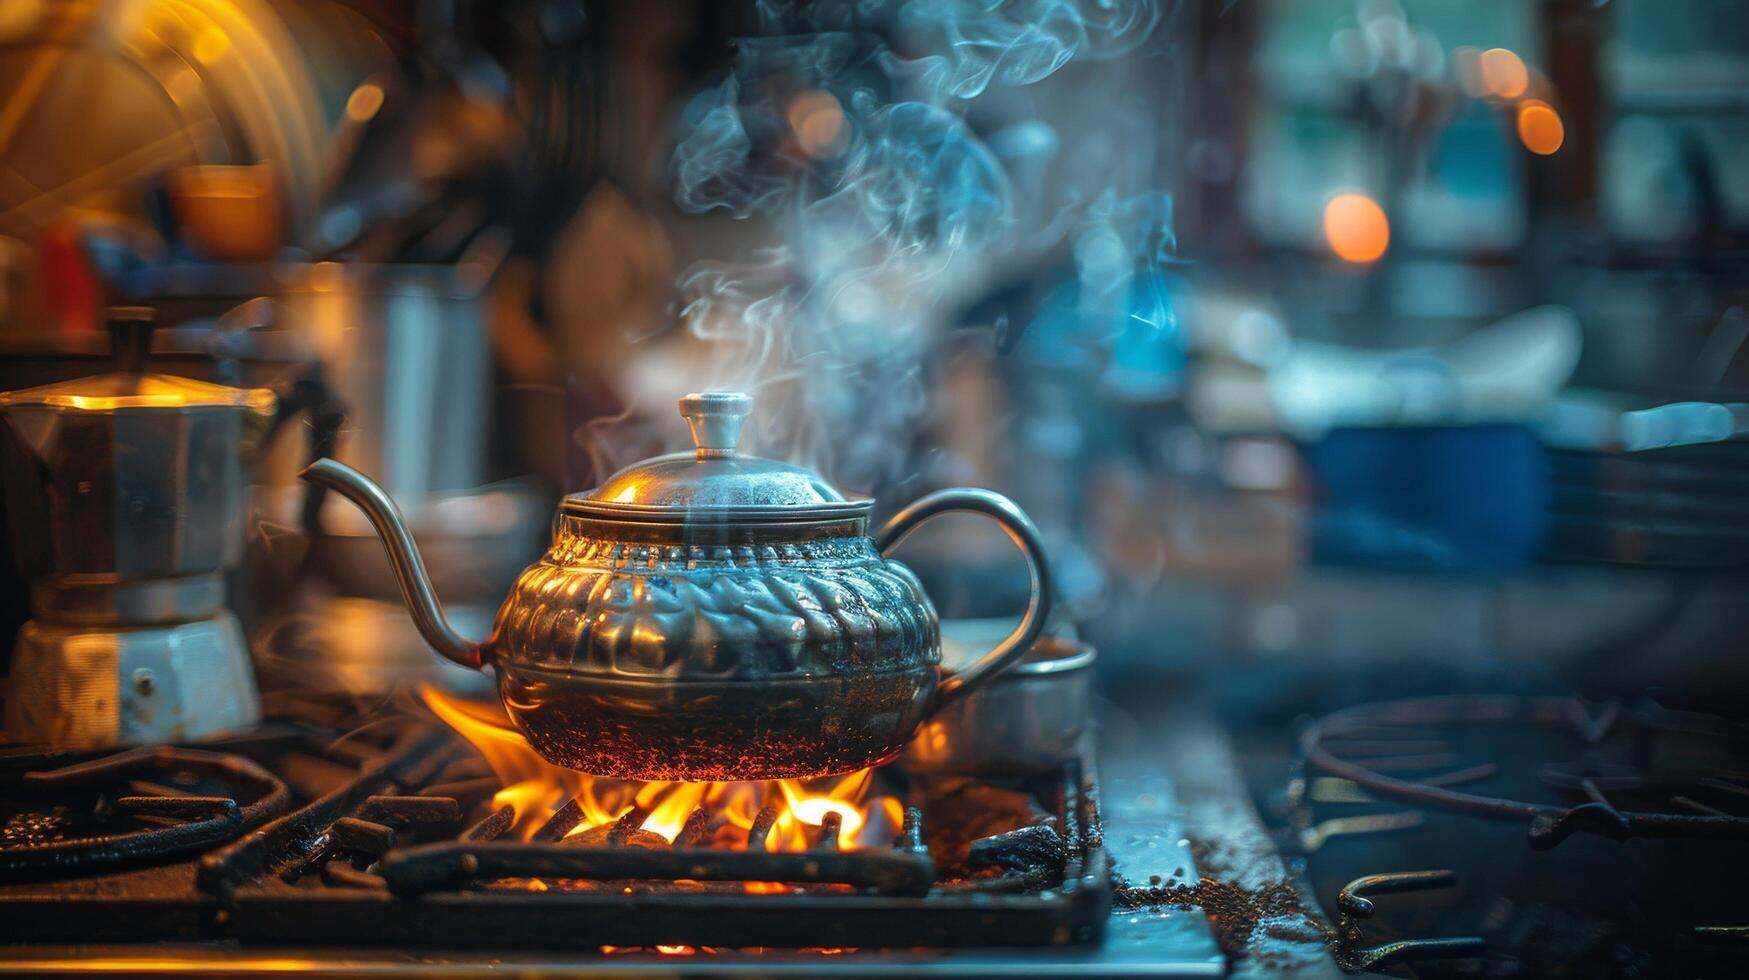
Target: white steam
886	206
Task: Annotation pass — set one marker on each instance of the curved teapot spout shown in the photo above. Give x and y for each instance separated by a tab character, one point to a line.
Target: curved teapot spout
403	555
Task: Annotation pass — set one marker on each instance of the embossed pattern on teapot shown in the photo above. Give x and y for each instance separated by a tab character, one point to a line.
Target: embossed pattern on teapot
709	615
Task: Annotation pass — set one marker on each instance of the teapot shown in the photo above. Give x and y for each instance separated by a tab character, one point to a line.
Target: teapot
713	616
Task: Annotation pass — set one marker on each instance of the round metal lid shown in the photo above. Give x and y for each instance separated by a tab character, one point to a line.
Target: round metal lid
715	481
129	386
108	392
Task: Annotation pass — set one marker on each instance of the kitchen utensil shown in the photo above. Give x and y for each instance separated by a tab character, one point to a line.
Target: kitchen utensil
126	500
231	213
709	615
1029	719
405	348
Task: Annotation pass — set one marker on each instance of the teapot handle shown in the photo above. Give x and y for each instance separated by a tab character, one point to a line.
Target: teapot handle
1020	529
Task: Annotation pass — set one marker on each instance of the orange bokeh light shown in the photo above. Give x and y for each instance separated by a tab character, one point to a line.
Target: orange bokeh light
1503	73
1540	127
1356	228
818	122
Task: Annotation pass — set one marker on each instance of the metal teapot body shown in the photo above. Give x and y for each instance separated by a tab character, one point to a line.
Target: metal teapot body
711	616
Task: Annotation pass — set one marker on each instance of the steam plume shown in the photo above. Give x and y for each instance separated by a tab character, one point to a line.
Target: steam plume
843	129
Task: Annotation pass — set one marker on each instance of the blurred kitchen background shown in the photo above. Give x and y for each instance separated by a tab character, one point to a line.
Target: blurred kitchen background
1342	348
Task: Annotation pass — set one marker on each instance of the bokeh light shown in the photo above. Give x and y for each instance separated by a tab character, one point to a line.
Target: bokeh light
1540	127
364	101
1356	228
1503	73
818	122
210	45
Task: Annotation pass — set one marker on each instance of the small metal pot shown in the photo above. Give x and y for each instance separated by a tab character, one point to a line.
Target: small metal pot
405	347
1028	719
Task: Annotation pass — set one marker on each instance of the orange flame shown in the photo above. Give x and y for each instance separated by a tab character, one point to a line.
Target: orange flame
534	788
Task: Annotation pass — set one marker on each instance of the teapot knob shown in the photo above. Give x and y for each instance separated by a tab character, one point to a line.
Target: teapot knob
715	418
130	337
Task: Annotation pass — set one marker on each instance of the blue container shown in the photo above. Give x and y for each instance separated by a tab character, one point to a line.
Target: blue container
1472	496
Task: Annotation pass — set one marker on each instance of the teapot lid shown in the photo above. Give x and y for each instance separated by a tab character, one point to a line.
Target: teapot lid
715	481
129	386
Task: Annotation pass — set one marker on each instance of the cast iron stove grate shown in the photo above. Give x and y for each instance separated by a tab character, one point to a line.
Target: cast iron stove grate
143	804
1603	830
105	847
396	871
408	852
1613	791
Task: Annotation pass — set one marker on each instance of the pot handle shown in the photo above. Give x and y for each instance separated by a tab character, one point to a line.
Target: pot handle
303	390
1021	531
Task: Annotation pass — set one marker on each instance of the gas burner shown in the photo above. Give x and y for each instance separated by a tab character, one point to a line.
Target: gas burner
398	834
1541	883
1616	786
366	869
141	805
623	854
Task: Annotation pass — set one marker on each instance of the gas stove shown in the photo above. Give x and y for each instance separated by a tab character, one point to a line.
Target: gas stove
1454	836
395	843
